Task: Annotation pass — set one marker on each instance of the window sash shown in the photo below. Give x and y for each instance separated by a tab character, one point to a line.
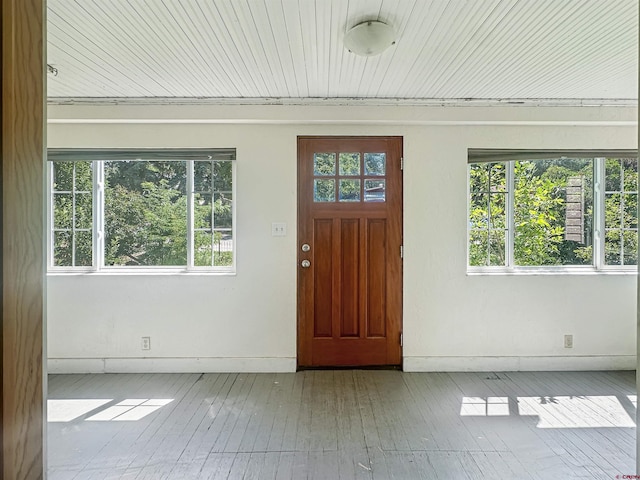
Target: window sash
508	158
98	224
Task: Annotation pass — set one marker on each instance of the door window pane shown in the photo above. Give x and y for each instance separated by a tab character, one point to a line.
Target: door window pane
324	164
375	164
324	190
349	190
350	164
374	190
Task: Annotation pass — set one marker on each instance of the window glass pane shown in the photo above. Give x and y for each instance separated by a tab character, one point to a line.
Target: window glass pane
478	248
222	210
84	248
630	173
479	211
202	176
63	210
613	210
84	210
630	212
223	248
145	213
324	190
349	190
62	249
613	247
630	247
553	212
324	164
222	176
613	175
375	164
63	176
497	252
350	164
497	177
374	190
497	211
479	177
83	176
202	211
203	248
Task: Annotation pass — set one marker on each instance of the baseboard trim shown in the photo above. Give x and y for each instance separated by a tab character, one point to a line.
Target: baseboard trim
289	364
172	365
515	364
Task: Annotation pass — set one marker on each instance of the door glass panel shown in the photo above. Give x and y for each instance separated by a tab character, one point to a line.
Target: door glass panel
349	190
324	190
350	164
374	190
375	164
324	164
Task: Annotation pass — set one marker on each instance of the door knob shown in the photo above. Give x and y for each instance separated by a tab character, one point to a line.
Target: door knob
305	264
306	247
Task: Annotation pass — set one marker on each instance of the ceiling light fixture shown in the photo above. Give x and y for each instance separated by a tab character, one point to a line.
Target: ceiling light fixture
369	38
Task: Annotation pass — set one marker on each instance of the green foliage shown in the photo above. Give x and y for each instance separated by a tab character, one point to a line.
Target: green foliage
145	227
537	210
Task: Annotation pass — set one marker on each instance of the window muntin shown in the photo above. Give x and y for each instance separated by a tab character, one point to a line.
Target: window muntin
621	211
547	213
487	214
356	177
173	214
72	222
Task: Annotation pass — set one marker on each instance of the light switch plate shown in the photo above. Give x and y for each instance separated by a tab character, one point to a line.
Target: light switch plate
278	229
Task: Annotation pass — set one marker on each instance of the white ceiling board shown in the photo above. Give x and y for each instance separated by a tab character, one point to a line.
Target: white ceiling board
293	49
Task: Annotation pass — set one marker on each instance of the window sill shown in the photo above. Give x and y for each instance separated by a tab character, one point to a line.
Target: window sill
552	271
141	272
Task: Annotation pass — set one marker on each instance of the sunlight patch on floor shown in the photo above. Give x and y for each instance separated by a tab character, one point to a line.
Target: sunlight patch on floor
131	409
68	409
588	411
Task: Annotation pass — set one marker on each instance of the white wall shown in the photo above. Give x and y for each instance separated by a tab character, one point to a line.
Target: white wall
247	321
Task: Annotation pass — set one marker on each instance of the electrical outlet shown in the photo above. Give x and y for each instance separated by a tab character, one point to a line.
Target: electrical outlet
568	341
146	343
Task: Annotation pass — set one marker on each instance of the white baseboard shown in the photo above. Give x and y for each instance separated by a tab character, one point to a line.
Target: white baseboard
515	364
288	364
172	365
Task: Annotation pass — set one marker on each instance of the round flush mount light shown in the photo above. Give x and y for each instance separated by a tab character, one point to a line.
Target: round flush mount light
369	38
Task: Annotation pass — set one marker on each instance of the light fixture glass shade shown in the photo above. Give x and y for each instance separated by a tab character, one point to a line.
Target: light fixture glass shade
369	38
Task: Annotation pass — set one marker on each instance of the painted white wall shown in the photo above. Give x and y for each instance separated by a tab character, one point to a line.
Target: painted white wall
247	321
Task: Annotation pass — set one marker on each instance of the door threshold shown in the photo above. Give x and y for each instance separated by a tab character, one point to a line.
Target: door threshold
353	367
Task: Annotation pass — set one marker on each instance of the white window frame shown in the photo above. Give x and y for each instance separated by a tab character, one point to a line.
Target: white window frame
98	240
598	259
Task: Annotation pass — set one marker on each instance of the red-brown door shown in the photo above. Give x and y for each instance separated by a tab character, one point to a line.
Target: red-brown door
349	251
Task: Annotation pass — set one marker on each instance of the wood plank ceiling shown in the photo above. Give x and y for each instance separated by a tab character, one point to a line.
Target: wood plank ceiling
446	49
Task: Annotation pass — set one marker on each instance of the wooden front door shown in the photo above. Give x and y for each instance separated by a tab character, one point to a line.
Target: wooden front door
349	251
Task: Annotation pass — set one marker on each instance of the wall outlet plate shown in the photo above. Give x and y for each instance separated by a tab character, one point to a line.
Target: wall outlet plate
568	341
146	343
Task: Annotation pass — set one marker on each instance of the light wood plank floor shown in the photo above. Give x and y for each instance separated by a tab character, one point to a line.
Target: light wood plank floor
344	424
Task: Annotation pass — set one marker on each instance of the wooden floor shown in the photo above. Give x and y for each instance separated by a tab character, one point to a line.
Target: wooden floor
345	424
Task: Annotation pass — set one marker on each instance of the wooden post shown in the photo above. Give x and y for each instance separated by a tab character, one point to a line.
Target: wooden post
22	259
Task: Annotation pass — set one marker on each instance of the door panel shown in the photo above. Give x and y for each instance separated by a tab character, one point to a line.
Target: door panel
350	279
